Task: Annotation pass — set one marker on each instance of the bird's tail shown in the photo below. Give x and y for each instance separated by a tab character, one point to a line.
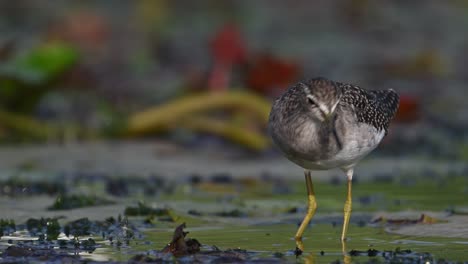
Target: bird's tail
388	102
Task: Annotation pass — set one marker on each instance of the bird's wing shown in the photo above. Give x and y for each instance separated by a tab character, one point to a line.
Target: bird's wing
376	108
386	101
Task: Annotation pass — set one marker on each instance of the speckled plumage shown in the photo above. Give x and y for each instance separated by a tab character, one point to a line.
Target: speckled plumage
322	124
376	108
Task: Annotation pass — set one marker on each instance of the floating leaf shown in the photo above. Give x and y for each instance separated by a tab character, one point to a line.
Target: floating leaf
180	246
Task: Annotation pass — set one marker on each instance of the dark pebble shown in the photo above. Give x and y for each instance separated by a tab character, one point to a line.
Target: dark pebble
141	258
233	213
194	212
372	252
221	178
117	187
14	251
278	255
195	179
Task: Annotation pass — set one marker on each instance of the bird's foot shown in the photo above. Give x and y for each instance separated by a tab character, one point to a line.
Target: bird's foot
344	247
298	252
299	247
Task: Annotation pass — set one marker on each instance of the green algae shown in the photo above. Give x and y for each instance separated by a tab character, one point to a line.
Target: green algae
322	243
49	228
143	209
66	202
265	220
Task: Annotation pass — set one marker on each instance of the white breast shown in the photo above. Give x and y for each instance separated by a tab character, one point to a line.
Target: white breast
357	143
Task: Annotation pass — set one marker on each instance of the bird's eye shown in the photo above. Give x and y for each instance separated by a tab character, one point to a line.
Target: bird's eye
311	102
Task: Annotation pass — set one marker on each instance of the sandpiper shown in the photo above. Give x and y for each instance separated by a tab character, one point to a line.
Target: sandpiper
320	124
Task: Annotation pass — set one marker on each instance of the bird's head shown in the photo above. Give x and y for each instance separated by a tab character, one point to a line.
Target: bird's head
321	97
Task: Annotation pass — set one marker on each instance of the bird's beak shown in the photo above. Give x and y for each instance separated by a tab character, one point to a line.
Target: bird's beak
328	116
326	113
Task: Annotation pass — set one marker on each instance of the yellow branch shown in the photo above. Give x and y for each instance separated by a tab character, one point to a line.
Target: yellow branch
228	130
162	117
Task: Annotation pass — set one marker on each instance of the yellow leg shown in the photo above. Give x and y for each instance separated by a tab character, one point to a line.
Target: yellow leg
346	256
311	207
347	210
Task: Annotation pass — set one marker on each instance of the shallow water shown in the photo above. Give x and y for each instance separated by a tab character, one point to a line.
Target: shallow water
276	241
265	214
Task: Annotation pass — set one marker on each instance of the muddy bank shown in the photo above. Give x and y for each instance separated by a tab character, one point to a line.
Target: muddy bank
153	157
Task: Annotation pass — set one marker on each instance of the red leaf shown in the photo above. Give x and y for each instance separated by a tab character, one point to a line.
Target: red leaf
409	109
228	46
268	74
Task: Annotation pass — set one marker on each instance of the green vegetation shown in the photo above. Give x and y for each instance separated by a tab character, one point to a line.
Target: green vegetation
26	77
144	210
48	228
65	202
6	226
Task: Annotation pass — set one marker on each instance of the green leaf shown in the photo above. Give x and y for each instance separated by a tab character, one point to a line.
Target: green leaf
44	63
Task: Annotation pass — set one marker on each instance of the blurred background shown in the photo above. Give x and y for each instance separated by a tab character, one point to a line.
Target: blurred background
203	74
163	104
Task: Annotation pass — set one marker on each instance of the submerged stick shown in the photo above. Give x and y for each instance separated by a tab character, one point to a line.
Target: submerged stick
186	112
